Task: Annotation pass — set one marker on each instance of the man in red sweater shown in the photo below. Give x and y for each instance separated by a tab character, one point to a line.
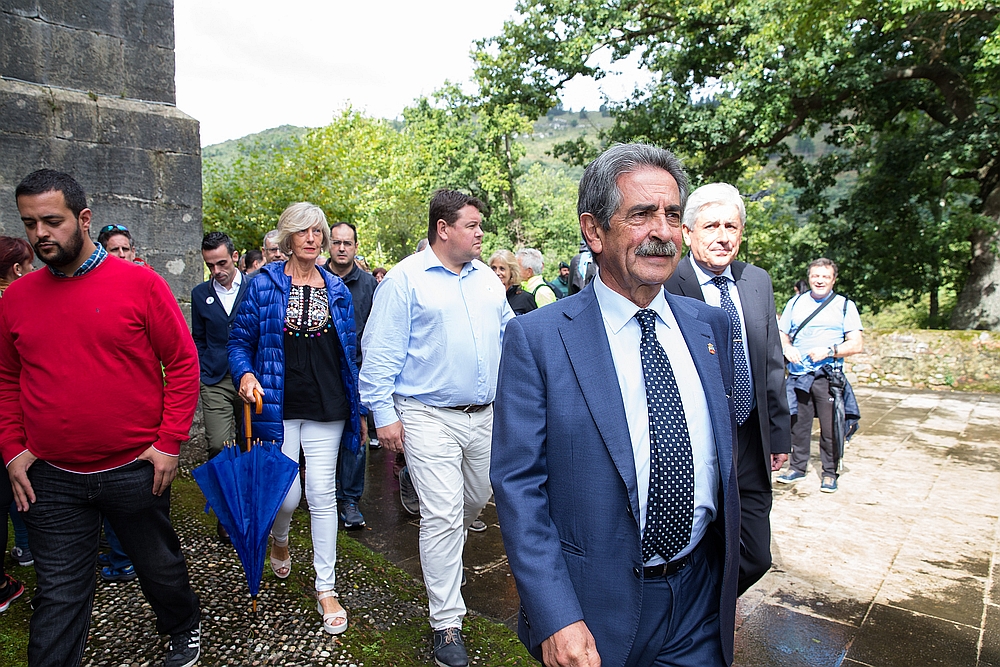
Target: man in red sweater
66	333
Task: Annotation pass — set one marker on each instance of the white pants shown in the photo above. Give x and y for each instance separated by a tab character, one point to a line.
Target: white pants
320	442
448	455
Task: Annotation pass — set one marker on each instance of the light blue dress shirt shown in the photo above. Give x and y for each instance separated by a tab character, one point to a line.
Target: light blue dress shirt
713	297
624	334
433	335
828	328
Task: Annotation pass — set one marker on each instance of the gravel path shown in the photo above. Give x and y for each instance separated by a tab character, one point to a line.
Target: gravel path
287	630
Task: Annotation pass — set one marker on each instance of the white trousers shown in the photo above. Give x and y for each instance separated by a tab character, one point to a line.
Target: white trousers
448	455
320	442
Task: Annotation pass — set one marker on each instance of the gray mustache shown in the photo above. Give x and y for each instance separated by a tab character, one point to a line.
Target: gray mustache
656	249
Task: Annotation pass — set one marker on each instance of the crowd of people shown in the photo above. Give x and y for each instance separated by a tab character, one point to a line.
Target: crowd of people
627	415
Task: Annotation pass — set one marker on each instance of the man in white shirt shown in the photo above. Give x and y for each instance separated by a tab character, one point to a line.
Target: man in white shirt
614	456
213	309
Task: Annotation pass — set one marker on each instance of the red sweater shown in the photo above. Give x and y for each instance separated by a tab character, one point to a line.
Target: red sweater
81	382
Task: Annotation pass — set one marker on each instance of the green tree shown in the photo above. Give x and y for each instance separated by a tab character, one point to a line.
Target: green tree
737	81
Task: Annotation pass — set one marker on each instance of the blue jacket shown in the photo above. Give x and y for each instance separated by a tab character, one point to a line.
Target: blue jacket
210	327
256	345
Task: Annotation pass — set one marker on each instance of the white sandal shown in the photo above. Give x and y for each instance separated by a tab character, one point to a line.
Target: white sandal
281	568
334	622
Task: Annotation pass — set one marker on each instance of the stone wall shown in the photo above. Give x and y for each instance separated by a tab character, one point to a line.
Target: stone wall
963	360
87	87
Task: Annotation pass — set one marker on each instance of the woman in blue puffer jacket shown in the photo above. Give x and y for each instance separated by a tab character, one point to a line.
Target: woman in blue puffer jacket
294	342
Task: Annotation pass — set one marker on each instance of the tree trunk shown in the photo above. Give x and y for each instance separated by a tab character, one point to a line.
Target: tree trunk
978	305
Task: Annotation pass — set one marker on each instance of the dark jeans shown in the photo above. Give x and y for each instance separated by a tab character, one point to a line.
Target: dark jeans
6	498
351	473
117	557
64	524
817	402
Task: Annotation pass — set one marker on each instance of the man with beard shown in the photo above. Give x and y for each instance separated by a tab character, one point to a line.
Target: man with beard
617	499
65	335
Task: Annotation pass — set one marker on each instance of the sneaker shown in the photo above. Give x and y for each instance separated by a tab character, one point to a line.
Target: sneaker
124	574
351	516
790	477
104	559
407	493
829	484
22	556
185	648
449	648
11	591
477	526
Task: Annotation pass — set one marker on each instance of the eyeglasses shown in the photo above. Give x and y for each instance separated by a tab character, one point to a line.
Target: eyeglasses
346	244
110	228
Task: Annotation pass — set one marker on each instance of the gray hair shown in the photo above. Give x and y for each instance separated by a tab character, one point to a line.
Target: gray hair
599	193
299	217
713	194
530	258
273	235
506	257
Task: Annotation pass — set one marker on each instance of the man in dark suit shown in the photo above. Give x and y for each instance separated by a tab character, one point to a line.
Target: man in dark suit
615	484
713	229
213	309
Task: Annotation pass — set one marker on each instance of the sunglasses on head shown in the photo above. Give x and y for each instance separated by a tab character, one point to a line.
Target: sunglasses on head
110	228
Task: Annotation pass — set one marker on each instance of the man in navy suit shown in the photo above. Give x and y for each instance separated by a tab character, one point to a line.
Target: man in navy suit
618	431
713	225
213	309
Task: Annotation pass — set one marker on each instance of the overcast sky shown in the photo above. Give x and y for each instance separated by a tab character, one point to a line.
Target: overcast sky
245	66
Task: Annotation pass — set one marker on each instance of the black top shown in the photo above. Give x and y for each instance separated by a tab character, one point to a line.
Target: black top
521	302
314	389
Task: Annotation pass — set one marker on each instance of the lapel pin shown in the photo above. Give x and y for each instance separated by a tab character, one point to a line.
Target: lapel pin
210	300
711	349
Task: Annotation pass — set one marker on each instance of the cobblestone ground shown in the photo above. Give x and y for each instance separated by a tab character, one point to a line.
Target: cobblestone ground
286	630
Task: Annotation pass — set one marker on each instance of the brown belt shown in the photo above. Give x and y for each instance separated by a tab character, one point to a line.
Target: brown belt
469	409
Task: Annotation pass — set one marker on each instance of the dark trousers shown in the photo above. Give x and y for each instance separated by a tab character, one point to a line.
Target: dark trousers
6	498
754	480
679	619
351	473
63	526
817	402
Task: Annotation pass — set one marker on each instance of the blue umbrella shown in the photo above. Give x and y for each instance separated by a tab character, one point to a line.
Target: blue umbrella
246	490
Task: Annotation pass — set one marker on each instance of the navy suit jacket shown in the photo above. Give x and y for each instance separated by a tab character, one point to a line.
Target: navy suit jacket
564	477
767	364
210	328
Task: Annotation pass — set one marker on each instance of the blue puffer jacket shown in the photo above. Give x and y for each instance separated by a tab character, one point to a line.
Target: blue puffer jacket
256	345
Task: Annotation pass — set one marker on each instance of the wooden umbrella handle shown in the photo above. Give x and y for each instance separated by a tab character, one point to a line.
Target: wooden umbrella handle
247	425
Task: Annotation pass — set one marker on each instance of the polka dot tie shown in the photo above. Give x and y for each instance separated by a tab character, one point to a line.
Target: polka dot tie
741	378
670	504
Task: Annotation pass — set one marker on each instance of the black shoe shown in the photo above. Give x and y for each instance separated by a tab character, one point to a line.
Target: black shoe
407	493
351	515
22	556
11	591
185	648
449	649
222	533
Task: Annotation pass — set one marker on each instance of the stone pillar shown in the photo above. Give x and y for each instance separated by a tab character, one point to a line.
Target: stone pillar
87	87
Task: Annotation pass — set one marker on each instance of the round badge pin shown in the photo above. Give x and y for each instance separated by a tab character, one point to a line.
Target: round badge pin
210	300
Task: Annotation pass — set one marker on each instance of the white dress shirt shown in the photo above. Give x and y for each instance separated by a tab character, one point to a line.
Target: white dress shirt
714	298
624	334
227	297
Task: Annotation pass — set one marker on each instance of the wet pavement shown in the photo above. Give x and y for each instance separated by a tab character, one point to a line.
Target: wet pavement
900	567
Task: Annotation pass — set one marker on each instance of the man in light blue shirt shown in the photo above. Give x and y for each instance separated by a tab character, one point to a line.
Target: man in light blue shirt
431	356
833	333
